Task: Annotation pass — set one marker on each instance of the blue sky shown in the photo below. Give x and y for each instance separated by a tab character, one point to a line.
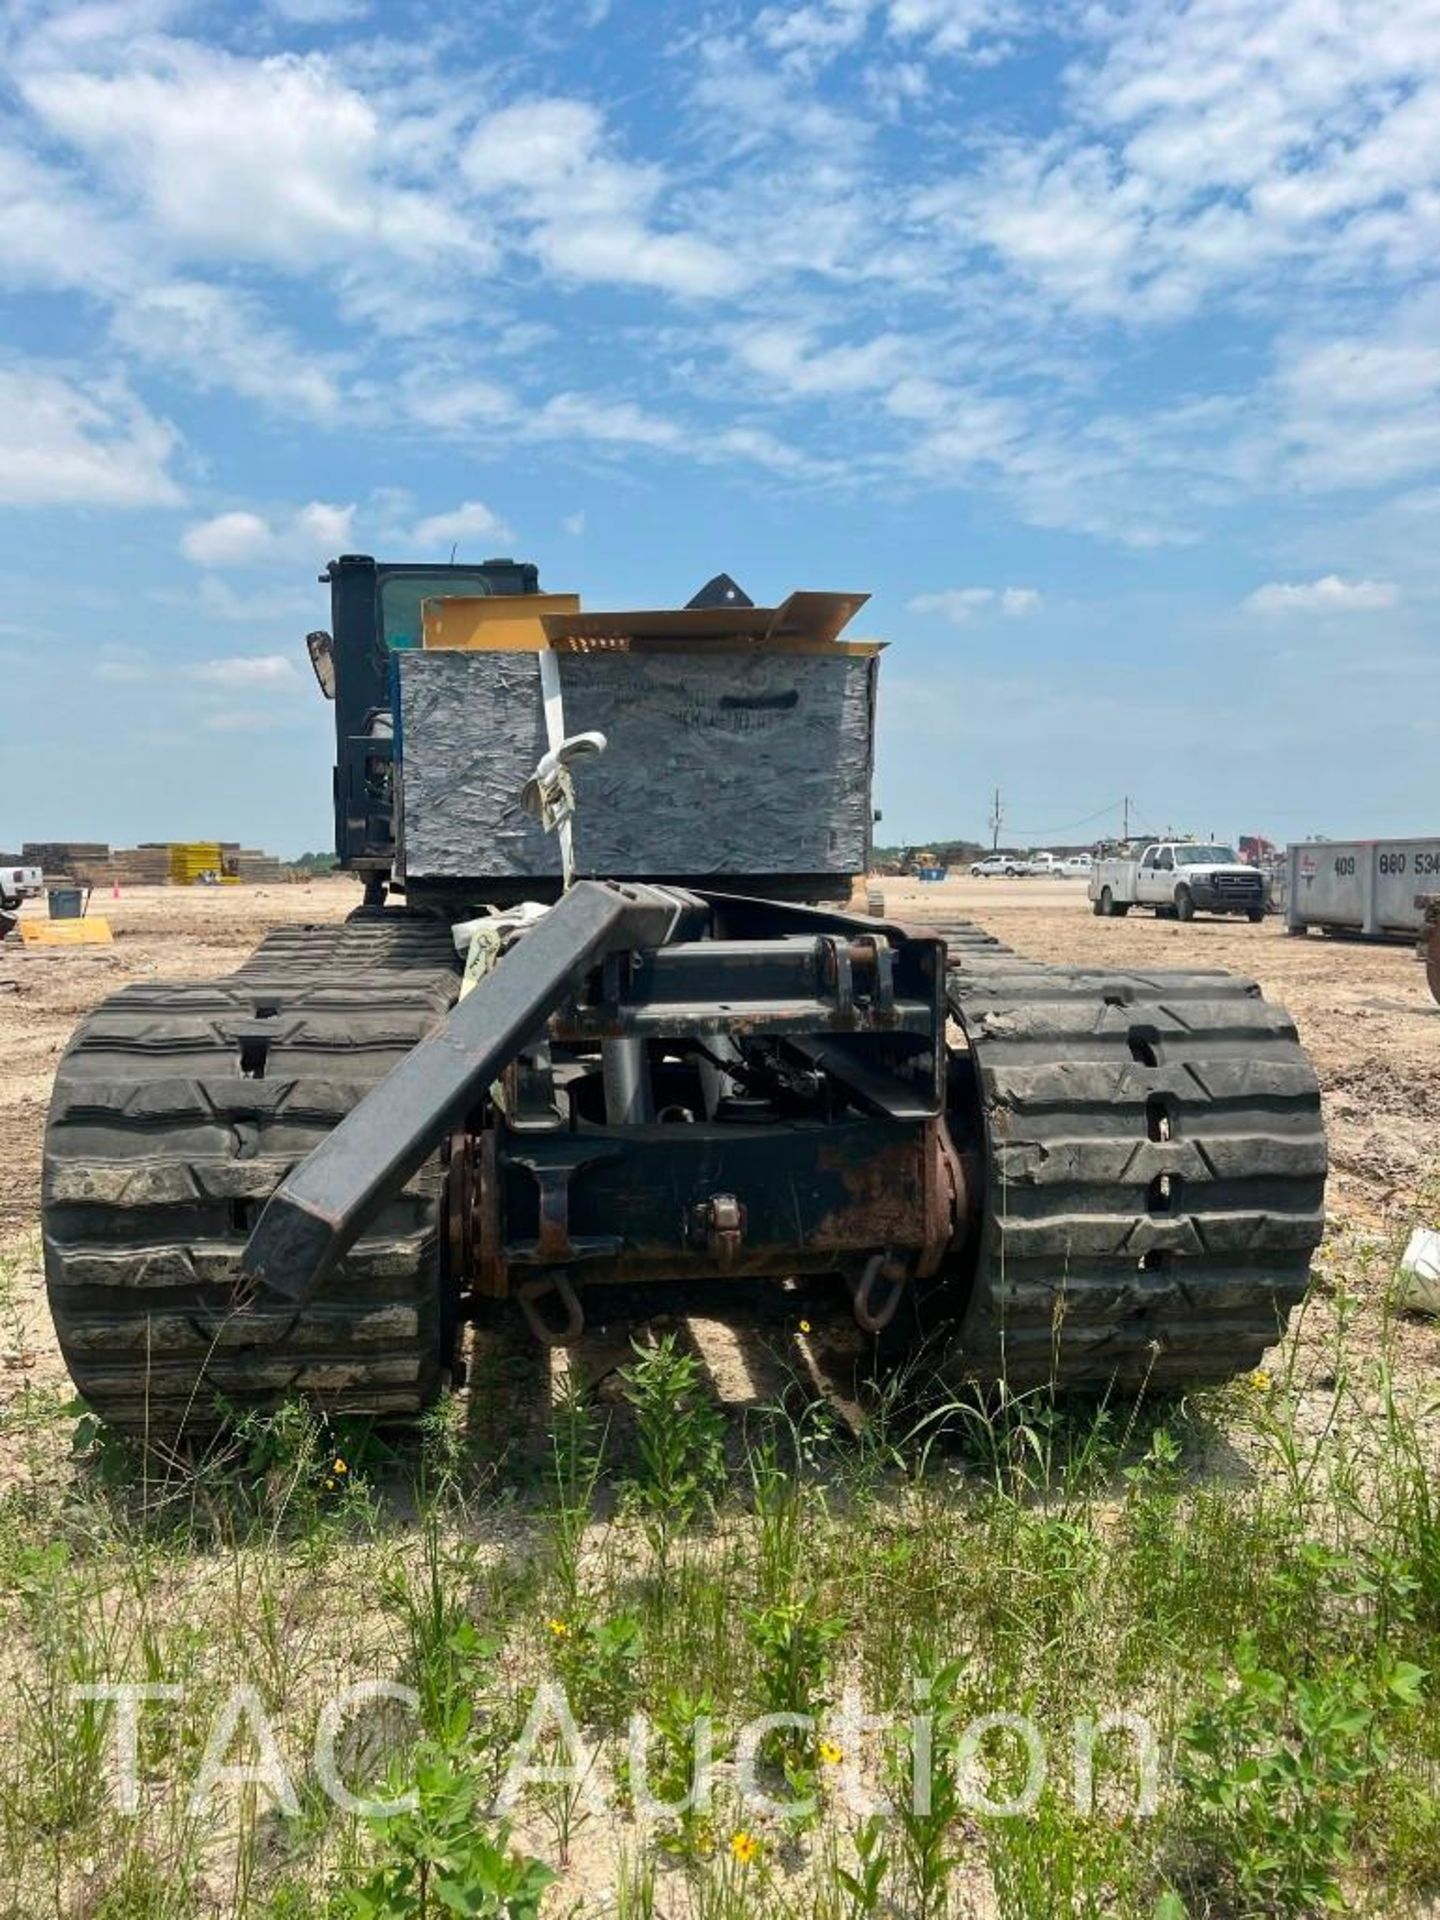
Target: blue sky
1100	343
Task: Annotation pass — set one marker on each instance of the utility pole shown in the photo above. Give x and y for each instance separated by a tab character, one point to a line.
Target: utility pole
1125	829
995	819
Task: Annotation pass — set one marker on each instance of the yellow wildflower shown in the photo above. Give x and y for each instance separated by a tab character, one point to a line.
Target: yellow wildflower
805	1326
1260	1380
559	1629
744	1847
338	1466
830	1753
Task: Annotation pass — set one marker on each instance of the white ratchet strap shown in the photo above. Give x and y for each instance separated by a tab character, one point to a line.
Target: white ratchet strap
549	793
554	738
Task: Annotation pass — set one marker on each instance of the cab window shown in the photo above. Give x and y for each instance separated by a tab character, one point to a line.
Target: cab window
402	593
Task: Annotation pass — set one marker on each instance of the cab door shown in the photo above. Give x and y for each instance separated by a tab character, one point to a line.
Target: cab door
1150	883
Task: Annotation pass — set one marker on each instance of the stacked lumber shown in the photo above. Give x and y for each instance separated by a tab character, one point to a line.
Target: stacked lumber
60	857
253	867
140	866
155	863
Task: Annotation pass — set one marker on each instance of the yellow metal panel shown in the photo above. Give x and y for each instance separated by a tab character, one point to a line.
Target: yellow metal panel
493	623
66	933
805	623
190	858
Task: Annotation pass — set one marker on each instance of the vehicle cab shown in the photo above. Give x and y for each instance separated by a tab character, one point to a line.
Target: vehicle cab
1186	876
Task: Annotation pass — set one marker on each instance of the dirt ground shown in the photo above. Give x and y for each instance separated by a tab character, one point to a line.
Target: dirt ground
1363	1011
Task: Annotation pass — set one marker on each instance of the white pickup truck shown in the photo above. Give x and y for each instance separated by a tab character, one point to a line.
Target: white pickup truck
1179	877
17	884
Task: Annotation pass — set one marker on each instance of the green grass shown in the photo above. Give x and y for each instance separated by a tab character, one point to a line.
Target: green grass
1255	1572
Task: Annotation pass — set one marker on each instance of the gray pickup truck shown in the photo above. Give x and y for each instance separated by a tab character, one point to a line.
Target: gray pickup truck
1179	877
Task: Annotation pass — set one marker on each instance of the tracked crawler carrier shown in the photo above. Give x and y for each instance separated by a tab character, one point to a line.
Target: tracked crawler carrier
676	1056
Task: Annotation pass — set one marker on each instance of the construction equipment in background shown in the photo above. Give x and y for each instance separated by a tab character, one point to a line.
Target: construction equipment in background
692	1067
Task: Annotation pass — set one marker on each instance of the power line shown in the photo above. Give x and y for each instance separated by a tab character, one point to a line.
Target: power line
1049	832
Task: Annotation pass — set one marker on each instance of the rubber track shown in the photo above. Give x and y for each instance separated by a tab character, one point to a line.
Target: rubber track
1094	1088
177	1109
965	939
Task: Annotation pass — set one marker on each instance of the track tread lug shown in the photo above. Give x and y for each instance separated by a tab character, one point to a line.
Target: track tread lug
159	1151
1073	1201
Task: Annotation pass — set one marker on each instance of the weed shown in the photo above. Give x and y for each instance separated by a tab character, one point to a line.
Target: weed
863	1885
597	1660
577	1458
443	1644
927	1794
681	1439
679	1748
1272	1767
439	1855
1054	1865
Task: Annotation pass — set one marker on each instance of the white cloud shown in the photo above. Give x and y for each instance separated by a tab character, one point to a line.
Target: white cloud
271	606
472	520
242	538
1218	146
751	105
219	337
71	445
1144	479
586	416
1018	600
318	13
323	526
123	666
1330	594
595	418
258	672
789	358
1362	412
91	24
766	450
276	160
453	402
897	295
584	213
574	523
229	540
539	145
55	237
808	36
955	26
961	605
